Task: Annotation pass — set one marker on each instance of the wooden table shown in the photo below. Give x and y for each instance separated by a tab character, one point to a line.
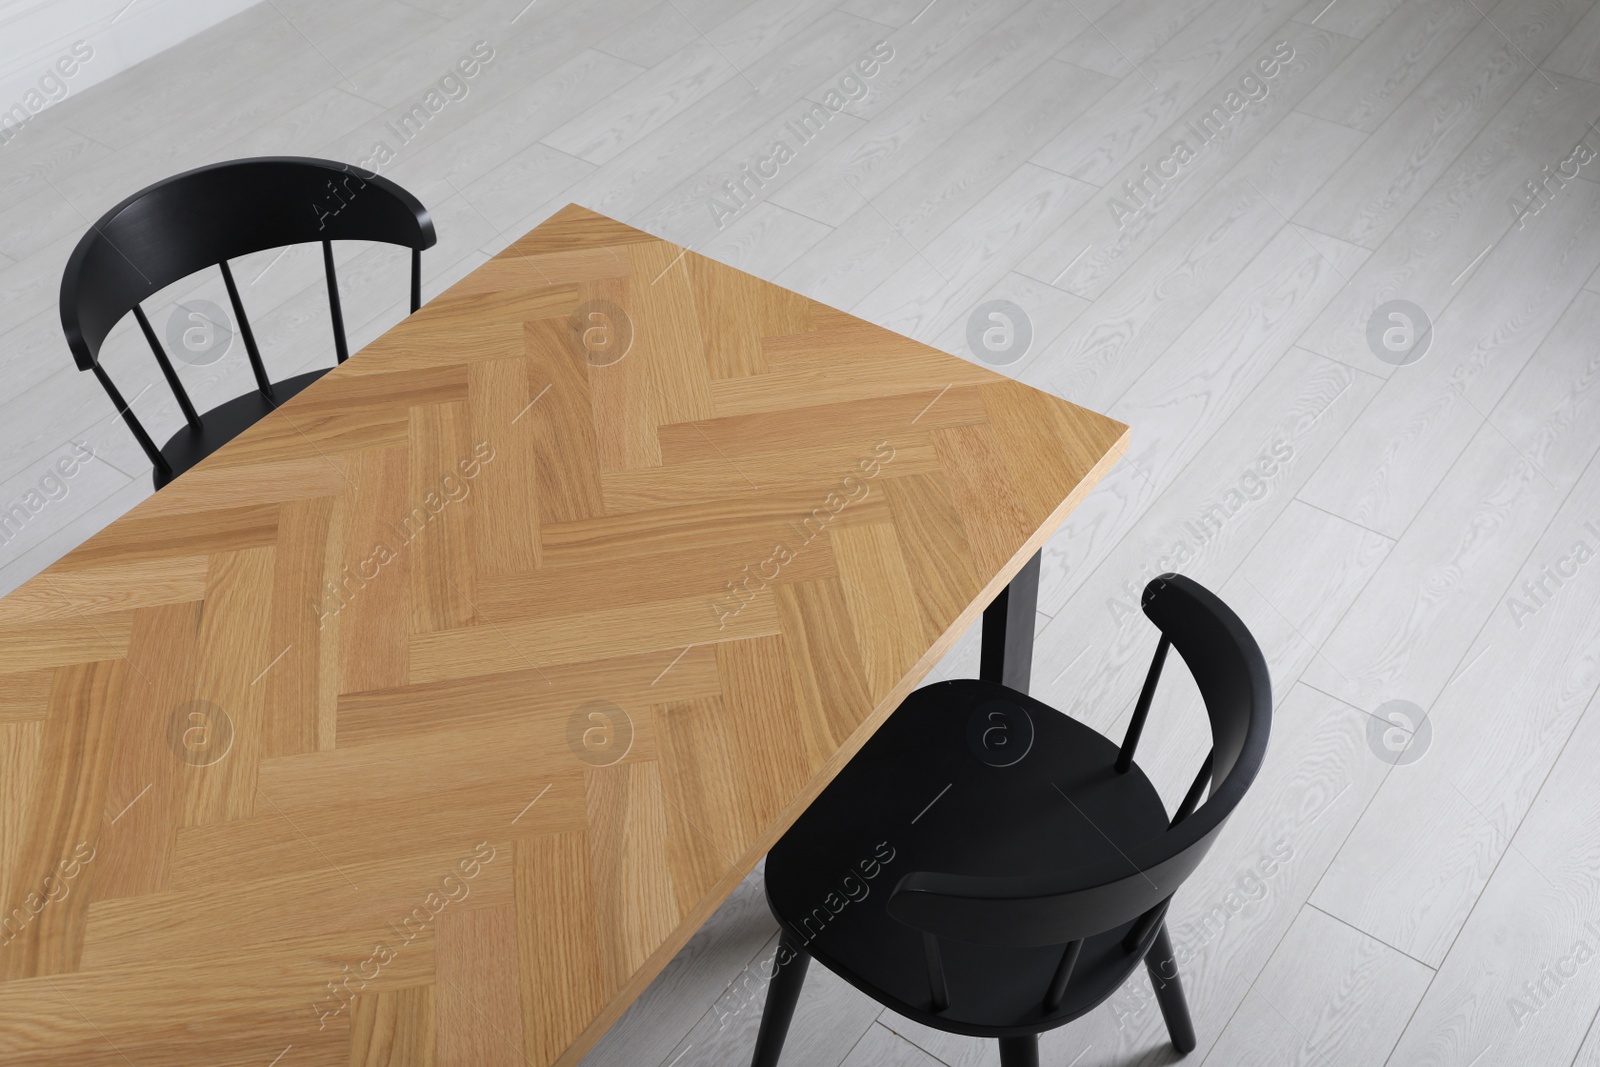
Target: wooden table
426	721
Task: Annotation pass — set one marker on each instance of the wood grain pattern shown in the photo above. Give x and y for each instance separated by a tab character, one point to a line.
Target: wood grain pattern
485	679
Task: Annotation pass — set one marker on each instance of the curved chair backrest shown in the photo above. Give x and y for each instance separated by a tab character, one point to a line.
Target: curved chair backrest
204	218
1060	909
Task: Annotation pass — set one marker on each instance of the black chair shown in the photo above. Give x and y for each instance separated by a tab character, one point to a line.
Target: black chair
1026	862
204	218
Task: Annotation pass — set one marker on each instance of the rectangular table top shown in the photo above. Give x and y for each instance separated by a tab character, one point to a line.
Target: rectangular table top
427	720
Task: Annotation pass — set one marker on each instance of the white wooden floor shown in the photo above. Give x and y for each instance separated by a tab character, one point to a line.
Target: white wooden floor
1422	534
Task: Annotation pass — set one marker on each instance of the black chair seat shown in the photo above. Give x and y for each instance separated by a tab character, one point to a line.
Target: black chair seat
990	821
987	866
225	422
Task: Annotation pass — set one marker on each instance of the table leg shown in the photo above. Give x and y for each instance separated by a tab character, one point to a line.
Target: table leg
1007	655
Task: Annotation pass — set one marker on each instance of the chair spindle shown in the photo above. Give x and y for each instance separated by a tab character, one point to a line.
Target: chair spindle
126	411
1131	740
936	984
178	391
250	349
335	310
1142	927
1058	984
1191	799
416	279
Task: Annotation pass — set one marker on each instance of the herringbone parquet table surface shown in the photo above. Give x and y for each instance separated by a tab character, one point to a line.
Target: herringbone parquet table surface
427	720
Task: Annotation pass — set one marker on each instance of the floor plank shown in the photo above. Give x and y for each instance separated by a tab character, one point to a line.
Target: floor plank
1349	1008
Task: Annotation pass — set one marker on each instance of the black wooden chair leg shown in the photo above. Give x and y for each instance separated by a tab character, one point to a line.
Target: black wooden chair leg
1162	963
1019	1051
783	993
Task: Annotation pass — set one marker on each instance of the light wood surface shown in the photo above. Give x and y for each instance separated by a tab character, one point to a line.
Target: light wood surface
426	721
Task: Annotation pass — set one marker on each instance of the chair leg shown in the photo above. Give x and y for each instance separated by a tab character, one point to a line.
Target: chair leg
1019	1051
1162	963
783	993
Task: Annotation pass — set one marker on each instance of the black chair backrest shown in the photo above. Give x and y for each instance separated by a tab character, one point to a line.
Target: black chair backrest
204	218
1059	909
